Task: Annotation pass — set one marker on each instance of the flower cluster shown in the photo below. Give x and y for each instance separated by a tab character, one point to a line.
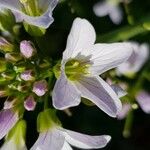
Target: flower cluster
29	79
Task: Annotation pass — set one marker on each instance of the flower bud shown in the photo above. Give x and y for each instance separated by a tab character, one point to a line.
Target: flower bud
27	50
5	46
27	75
10	102
3	65
12	57
8	75
30	103
40	88
3	93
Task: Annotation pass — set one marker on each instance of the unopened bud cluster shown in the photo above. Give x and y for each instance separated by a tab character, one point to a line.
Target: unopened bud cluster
21	77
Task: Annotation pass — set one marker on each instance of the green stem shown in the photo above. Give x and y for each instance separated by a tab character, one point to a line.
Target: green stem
46	100
128	124
122	34
125	33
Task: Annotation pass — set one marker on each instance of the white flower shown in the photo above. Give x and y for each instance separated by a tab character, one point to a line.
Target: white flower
44	17
111	8
82	63
138	57
59	139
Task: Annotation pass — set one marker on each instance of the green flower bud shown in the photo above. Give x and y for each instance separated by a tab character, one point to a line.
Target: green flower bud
5	46
3	65
8	75
12	57
19	68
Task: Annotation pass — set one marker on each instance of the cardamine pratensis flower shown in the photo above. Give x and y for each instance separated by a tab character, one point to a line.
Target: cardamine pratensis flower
82	63
137	59
35	12
53	137
111	8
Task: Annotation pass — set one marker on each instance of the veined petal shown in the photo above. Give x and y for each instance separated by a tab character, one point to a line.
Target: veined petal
85	141
66	146
65	94
118	90
108	56
82	36
8	119
115	13
42	21
100	93
143	98
49	140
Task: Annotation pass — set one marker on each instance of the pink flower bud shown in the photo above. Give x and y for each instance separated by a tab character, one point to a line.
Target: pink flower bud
40	87
26	48
27	75
30	103
3	93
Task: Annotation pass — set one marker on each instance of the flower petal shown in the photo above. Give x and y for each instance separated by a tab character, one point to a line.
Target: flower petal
108	56
8	119
143	98
82	35
101	8
42	21
66	146
138	57
65	94
100	93
118	90
86	141
125	109
49	140
11	145
115	13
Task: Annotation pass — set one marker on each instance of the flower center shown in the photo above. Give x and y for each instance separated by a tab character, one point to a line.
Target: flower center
75	68
31	7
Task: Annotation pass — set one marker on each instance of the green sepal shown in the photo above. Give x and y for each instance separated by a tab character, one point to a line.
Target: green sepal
18	132
87	102
34	30
7	20
9	75
3	65
57	70
46	120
